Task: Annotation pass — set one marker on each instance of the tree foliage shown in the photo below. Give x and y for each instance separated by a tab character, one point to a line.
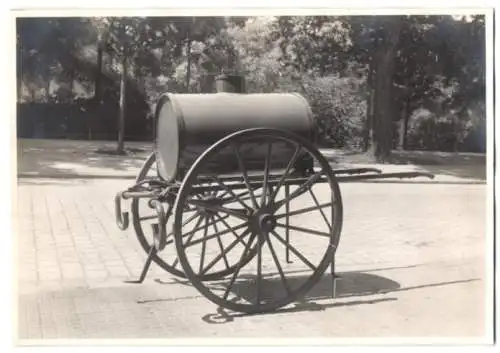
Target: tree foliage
367	78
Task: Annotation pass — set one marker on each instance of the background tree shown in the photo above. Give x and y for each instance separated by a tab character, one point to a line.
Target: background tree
127	38
373	82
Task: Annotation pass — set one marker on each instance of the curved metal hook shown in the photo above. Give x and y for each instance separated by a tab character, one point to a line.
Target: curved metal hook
159	229
122	220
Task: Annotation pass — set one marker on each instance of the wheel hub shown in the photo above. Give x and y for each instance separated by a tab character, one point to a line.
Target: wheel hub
267	222
263	221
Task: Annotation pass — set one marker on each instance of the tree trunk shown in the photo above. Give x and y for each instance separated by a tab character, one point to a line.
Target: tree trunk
403	125
188	53
72	75
97	98
406	111
456	139
98	75
19	87
123	104
367	127
382	119
32	92
383	113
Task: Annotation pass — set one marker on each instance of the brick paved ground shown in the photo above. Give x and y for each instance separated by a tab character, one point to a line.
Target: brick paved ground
423	245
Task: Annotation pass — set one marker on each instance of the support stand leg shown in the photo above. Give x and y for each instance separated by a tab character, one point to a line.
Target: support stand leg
287	222
147	264
334	276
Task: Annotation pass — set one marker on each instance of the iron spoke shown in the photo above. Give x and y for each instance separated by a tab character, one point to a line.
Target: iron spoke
189	220
204	245
248	197
285	173
214	235
230	228
300	190
245	176
266	174
295	251
185	223
320	209
224	194
176	261
220	244
238	267
209	224
225	187
215	208
229	199
243	197
304	230
303	210
214	193
232	245
193	231
278	266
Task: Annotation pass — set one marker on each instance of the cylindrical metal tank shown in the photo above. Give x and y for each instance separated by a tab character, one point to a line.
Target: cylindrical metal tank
187	124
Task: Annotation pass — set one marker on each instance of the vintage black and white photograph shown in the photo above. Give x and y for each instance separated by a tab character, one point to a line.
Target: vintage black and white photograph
245	176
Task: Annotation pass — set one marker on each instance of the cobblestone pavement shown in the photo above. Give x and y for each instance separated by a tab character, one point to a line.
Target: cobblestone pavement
411	257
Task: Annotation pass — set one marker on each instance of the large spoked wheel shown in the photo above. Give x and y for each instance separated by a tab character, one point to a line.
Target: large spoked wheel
144	216
292	221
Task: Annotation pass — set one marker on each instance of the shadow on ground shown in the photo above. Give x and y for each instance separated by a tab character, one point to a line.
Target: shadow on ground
81	161
349	285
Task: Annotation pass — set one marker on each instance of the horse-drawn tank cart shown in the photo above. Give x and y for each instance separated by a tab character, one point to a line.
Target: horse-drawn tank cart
237	199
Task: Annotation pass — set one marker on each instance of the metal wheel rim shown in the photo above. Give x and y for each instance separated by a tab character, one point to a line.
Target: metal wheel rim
328	254
146	246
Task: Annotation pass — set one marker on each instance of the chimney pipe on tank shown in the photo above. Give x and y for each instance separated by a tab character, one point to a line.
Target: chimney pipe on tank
230	84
